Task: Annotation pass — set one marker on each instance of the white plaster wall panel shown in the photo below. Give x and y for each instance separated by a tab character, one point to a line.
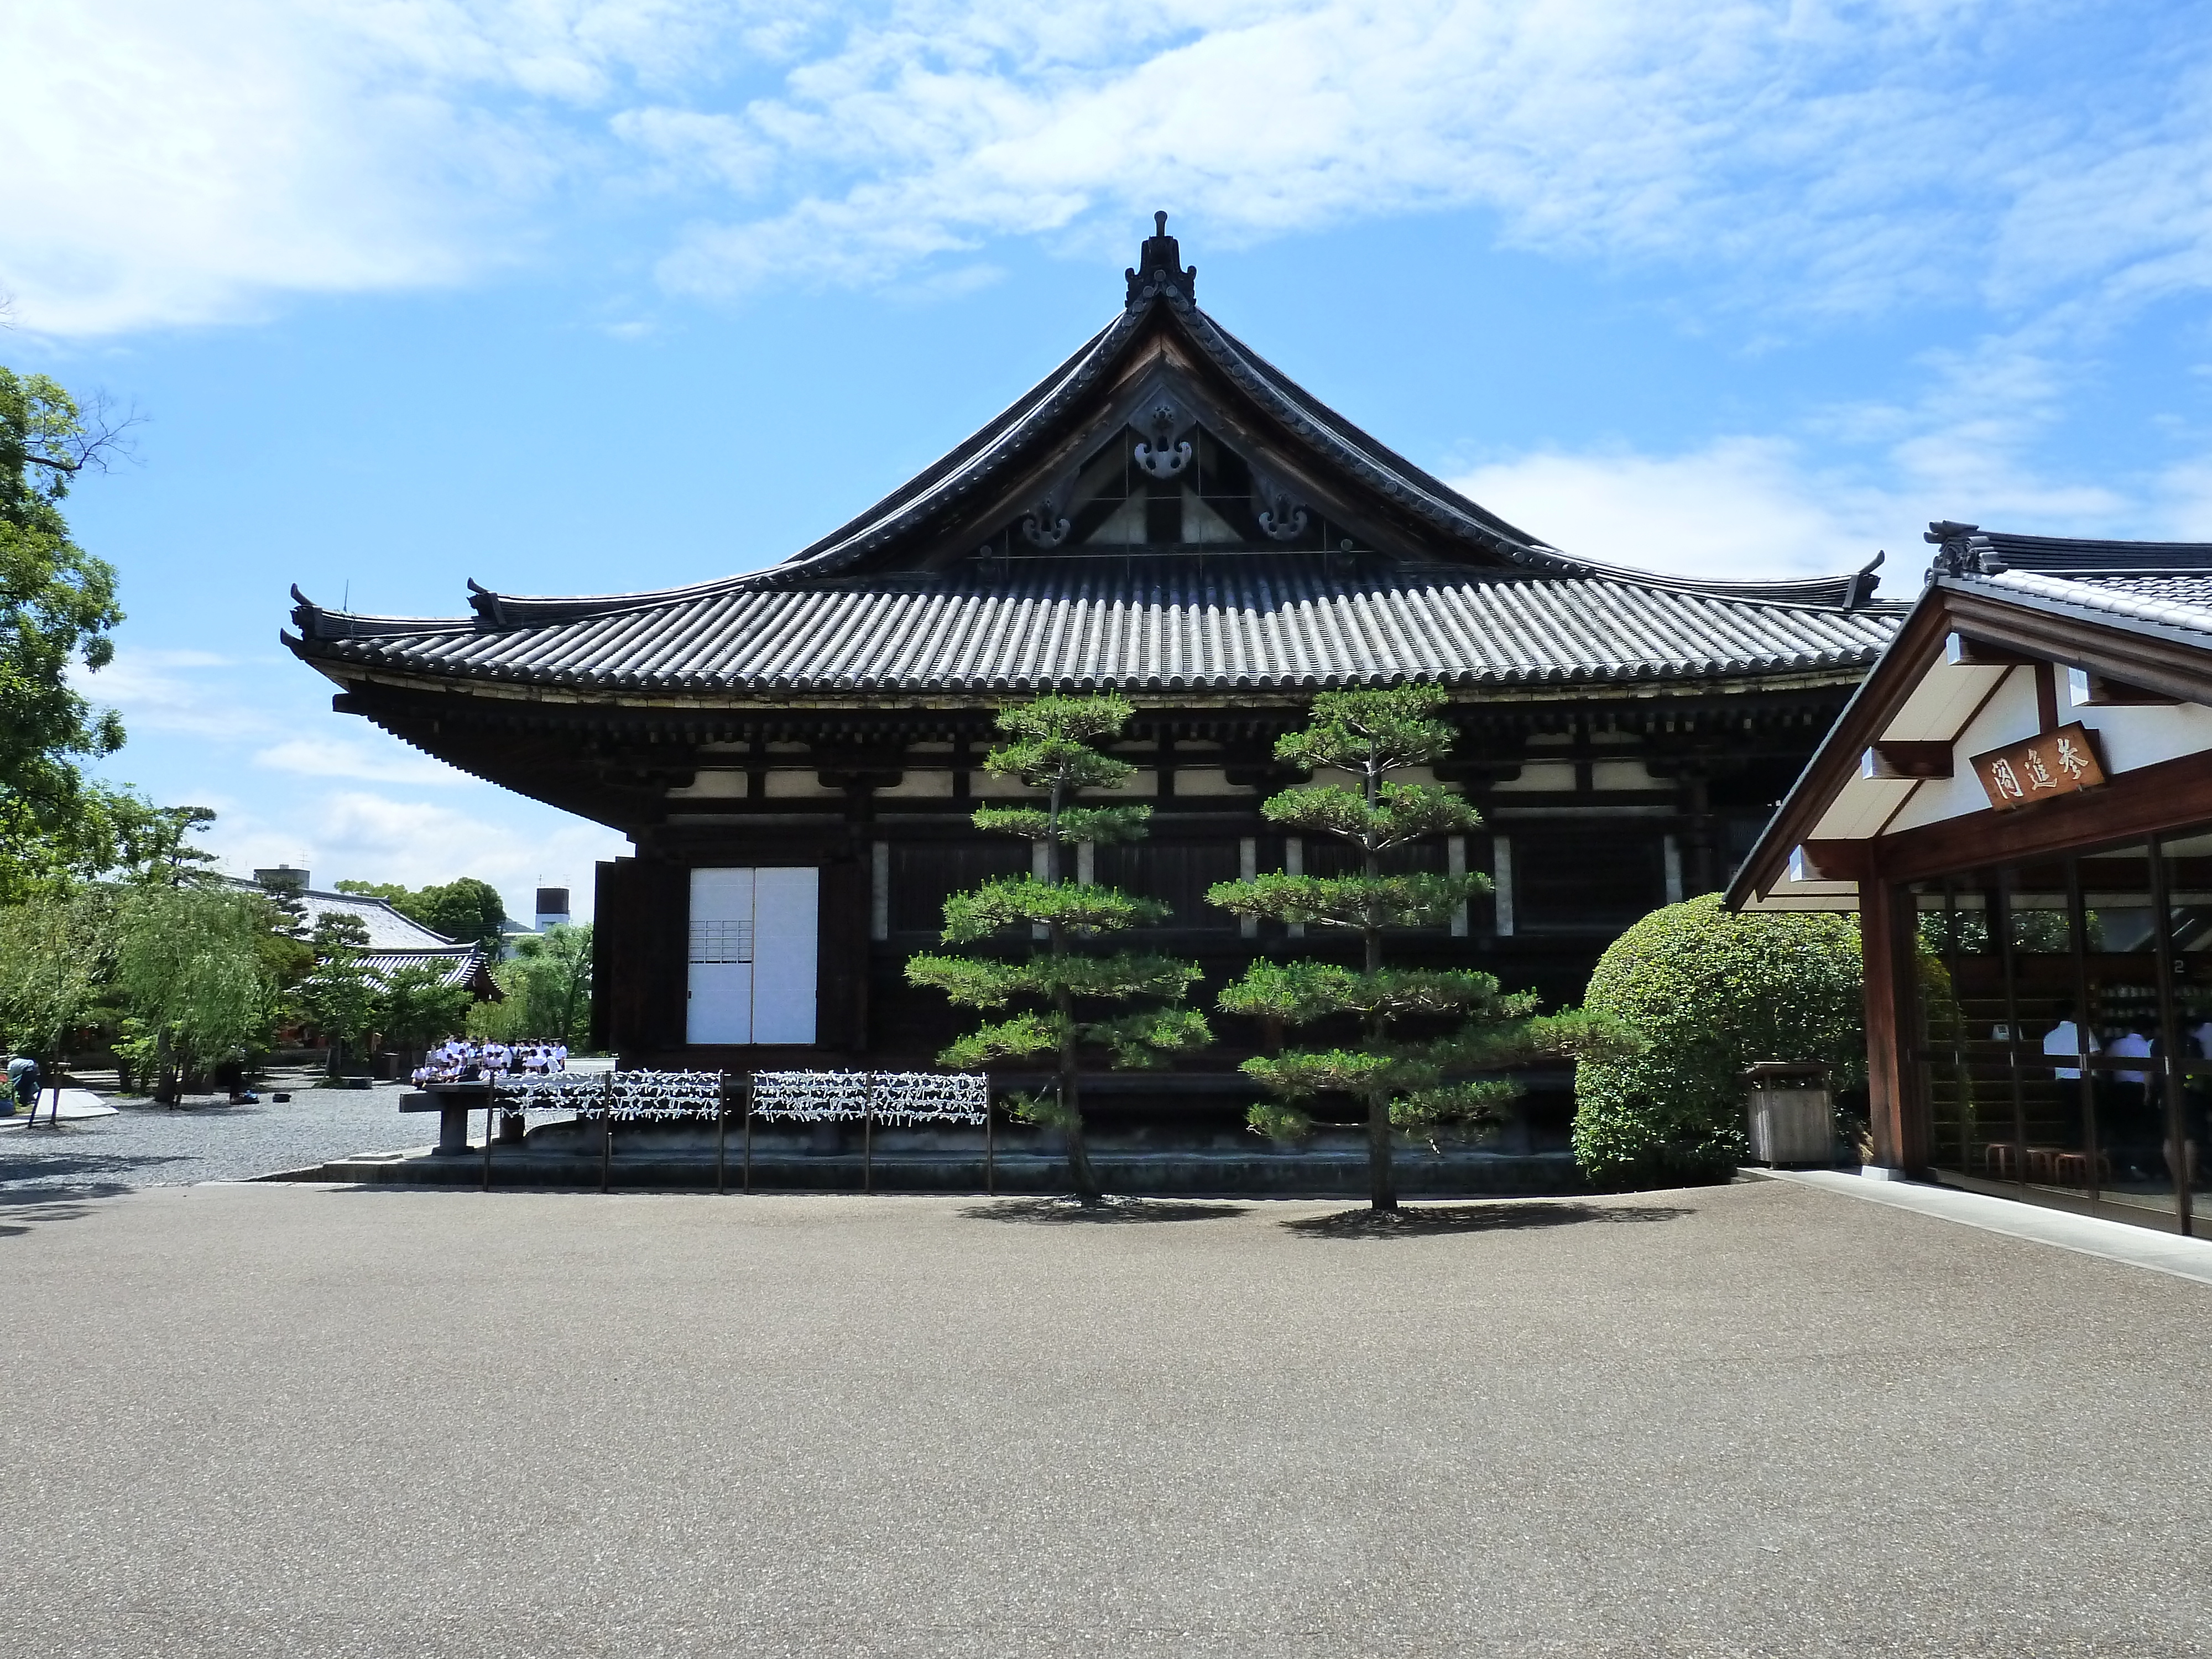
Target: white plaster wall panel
2010	716
919	786
712	783
1623	774
1941	702
1860	808
1207	780
800	786
1539	776
2142	737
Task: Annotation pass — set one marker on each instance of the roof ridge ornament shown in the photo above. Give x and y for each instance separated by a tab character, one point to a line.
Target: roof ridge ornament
1962	551
1159	267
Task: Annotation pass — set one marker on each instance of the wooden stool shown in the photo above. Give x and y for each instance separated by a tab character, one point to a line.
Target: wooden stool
1997	1159
2043	1163
2072	1169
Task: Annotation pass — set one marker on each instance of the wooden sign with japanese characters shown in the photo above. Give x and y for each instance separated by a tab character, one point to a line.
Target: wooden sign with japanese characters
2061	762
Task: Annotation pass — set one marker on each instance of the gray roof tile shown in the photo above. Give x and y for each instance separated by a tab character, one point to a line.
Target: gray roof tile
1281	620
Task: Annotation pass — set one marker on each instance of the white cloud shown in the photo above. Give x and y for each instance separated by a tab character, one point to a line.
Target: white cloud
178	163
1739	508
193	692
173	163
373	762
359	836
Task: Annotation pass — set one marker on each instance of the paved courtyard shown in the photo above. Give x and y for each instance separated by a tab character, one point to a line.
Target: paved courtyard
207	1138
1762	1418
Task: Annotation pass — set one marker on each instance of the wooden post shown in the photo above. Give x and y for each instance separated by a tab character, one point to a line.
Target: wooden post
721	1130
607	1137
868	1138
1896	1112
749	1131
990	1150
491	1120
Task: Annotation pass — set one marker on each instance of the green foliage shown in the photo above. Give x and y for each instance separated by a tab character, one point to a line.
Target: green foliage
1099	824
1371	732
1010	901
1404	1085
152	846
58	606
190	967
50	953
1401	812
1050	748
466	911
415	1006
1710	992
1362	902
546	987
982	982
341	995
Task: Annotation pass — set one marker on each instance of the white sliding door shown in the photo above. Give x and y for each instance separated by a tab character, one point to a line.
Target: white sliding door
786	924
752	955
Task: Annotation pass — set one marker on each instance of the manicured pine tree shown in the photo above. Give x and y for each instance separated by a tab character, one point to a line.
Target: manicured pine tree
1063	977
1404	1084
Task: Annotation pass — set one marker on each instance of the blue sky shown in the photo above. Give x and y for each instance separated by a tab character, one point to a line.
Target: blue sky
582	296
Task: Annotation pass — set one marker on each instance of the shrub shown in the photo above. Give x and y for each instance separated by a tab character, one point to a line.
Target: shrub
1711	991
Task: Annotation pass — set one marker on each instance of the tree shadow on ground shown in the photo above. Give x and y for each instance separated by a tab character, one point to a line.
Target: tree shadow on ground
1066	1212
46	1161
1429	1220
22	1208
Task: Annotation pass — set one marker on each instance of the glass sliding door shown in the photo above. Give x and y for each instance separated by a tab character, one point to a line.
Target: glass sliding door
2065	1040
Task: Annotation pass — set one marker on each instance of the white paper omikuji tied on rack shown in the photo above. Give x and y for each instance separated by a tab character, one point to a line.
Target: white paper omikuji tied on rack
570	1092
916	1097
910	1098
634	1097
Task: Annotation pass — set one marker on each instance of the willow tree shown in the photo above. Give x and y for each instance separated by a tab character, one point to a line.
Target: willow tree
192	974
1449	1080
1056	992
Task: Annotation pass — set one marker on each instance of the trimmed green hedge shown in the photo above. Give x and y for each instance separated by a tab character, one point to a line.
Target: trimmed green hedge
1711	991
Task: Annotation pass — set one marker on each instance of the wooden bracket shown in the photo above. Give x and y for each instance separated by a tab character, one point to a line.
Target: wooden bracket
1962	651
1830	860
1906	760
2090	689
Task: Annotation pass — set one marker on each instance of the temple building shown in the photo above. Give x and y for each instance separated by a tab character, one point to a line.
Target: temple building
2019	804
794	752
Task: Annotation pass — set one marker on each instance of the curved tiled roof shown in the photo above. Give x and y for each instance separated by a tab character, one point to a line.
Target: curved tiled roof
856	609
1283	621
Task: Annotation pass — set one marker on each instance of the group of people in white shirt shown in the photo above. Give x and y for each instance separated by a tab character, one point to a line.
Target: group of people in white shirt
2064	1041
458	1060
2131	1115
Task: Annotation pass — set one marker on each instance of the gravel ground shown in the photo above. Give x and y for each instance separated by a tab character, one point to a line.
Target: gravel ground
1758	1420
149	1146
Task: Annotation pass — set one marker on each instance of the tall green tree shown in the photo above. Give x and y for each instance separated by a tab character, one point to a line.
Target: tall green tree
192	970
58	606
547	985
53	950
465	910
340	994
1402	1083
415	1006
1059	982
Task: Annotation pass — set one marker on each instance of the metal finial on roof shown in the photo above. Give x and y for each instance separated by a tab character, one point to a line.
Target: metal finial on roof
1159	266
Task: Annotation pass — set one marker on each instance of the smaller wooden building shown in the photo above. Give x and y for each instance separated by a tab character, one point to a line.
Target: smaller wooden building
2018	802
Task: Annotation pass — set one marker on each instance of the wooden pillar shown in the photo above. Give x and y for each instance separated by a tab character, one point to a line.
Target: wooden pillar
1896	1108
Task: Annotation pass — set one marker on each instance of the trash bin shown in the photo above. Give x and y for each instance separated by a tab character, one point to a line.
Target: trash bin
1792	1114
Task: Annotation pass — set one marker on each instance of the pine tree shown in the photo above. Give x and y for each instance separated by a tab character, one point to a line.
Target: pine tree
1049	745
1404	1085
